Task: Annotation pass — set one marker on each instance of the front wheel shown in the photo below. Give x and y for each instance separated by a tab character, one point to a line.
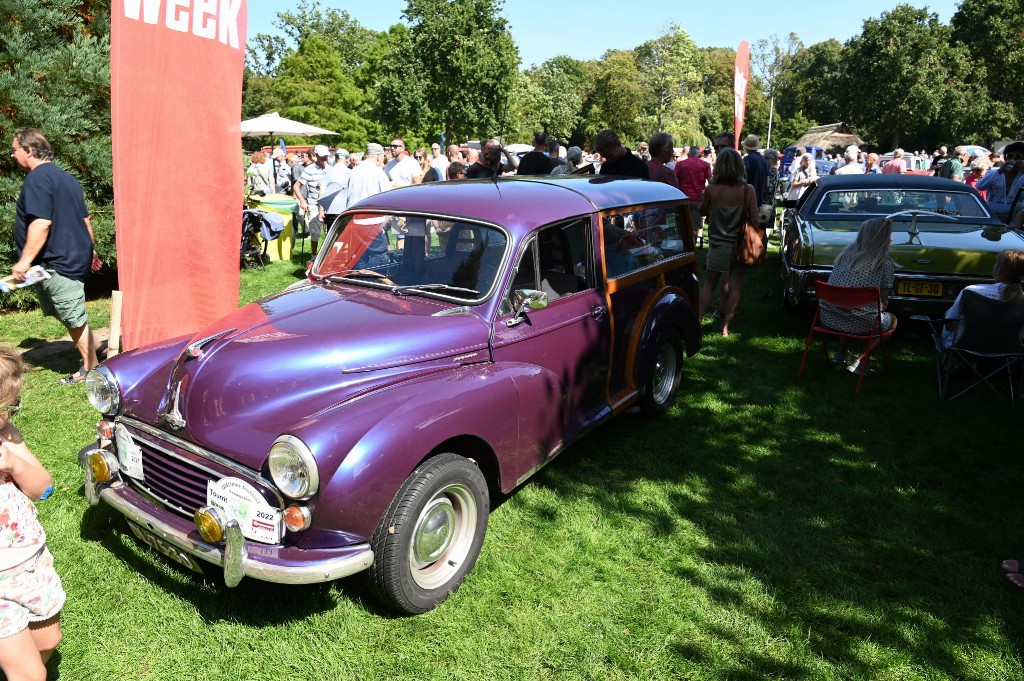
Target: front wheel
661	377
431	535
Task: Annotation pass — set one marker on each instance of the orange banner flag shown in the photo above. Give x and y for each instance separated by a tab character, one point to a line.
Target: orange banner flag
176	106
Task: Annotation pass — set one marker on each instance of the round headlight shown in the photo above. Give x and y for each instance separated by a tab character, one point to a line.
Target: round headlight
103	391
293	468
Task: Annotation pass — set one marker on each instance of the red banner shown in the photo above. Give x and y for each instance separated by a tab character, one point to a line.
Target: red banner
176	106
740	79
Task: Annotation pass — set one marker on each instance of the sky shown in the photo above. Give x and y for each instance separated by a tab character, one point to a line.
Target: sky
586	29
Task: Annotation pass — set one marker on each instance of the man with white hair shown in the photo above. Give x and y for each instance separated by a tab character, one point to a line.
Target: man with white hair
850	167
368	178
897	166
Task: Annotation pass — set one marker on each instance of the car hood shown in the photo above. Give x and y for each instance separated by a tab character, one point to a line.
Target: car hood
271	365
968	251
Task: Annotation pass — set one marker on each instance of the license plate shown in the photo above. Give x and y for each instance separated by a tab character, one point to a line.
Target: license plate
165	548
911	287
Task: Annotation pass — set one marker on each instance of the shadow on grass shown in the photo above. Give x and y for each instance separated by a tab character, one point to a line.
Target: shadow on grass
873	522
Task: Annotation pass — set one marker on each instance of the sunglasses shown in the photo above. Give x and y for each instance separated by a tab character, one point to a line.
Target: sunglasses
1014	156
11	409
395	146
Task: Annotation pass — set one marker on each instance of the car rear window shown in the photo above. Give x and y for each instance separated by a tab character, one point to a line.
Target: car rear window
882	202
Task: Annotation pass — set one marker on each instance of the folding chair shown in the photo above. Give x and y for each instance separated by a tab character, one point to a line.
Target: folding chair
984	341
847	297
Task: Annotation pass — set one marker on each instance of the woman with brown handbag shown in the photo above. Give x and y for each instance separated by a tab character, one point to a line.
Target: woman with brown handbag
728	204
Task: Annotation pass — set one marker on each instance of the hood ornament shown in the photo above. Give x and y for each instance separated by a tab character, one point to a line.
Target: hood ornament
174	417
194	350
170	406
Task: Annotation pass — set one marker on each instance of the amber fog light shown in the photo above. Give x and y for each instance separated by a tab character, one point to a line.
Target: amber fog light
103	465
105	429
297	518
209	524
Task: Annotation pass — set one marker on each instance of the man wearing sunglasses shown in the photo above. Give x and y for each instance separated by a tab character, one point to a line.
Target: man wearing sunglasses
1002	185
402	169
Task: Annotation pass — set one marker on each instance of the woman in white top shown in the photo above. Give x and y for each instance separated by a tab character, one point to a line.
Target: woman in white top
804	177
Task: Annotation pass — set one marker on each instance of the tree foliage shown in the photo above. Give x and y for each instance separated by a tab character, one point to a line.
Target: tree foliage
670	70
469	64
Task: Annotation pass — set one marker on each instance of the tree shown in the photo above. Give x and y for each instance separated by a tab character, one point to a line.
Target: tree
773	60
313	87
617	100
55	76
393	81
670	69
469	63
559	84
992	31
812	85
902	74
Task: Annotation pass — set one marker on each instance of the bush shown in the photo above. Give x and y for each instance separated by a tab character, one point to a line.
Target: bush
103	230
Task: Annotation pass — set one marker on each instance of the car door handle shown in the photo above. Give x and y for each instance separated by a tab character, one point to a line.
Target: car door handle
598	311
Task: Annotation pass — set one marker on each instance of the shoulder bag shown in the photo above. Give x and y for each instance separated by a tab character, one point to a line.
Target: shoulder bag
751	247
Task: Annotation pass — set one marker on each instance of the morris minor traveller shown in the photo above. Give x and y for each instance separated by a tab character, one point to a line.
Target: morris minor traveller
450	341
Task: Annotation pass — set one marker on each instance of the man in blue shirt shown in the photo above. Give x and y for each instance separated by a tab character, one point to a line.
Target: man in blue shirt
52	229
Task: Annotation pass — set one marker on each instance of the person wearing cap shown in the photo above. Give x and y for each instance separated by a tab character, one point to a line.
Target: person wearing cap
773	186
282	171
756	168
953	168
573	157
307	191
339	172
368	178
1002	184
402	168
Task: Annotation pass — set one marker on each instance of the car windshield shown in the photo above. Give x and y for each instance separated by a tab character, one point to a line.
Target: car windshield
414	255
864	203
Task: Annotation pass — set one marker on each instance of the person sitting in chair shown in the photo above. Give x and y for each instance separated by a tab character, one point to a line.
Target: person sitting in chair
1008	273
865	262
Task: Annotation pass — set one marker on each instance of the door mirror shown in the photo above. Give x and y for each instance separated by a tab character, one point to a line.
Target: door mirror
527	299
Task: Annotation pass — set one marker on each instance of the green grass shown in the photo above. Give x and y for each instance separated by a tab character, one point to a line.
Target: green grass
767	528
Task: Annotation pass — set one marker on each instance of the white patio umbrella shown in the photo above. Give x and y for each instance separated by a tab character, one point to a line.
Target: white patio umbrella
275	124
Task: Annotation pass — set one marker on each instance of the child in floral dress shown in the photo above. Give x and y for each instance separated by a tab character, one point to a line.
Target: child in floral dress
31	594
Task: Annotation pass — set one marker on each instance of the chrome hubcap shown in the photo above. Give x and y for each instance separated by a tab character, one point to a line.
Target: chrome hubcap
442	536
664	374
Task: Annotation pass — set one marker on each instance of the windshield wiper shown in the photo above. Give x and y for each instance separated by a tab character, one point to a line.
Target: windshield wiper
354	274
419	288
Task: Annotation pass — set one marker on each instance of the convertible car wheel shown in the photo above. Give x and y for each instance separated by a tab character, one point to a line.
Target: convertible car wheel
661	378
431	535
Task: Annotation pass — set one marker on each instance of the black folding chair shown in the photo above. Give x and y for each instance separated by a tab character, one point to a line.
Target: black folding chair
986	342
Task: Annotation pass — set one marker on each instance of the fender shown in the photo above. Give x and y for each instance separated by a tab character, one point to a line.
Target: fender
667	307
367	447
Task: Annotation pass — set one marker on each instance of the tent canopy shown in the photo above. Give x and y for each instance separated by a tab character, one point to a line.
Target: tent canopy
276	124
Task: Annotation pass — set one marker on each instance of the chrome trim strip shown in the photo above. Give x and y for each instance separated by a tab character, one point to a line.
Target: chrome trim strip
318	571
200	452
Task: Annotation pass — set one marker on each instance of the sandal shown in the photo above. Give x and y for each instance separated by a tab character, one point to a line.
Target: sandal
77	377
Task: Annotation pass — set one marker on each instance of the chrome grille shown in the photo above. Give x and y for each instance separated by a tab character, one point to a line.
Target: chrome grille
176	472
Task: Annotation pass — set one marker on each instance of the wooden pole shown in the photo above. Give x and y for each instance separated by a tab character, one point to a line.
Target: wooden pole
114	342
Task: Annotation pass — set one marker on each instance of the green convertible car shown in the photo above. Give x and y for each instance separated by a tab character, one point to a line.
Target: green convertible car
945	236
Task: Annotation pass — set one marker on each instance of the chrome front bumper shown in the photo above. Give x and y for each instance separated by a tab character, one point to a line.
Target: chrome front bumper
235	556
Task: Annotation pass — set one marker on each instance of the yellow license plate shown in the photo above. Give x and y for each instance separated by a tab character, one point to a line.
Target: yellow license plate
910	287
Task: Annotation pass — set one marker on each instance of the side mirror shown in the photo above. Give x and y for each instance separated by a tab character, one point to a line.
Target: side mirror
527	299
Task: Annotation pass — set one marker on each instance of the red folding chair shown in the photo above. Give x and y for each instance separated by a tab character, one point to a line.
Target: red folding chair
847	297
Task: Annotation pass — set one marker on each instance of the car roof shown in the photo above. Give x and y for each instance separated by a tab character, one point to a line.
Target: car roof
892	181
523	202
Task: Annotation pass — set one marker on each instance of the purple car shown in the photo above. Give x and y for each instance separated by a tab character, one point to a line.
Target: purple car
451	340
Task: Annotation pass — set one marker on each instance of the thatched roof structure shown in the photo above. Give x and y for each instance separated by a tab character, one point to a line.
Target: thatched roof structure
833	138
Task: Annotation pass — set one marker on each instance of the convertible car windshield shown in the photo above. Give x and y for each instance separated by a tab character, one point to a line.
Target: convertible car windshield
414	254
864	203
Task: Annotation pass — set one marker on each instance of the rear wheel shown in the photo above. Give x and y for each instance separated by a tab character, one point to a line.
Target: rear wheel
660	379
431	535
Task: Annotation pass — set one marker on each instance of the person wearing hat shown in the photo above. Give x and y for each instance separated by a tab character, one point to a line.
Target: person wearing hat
368	178
573	157
1002	184
282	171
307	191
756	167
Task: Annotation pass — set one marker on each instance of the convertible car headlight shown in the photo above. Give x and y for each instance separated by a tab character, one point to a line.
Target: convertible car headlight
293	468
103	391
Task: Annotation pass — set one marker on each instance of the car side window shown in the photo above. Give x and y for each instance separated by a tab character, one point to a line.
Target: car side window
555	261
639	238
